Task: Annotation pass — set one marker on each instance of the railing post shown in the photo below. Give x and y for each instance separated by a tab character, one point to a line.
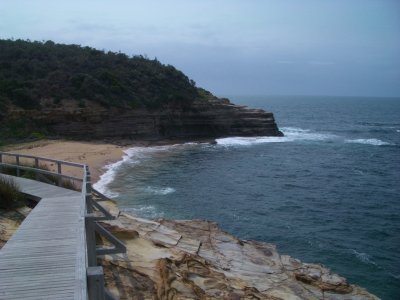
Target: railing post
91	241
59	179
17	163
89	205
88	187
95	280
36	166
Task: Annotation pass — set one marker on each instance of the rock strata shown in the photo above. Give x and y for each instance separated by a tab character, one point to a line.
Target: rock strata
195	259
203	119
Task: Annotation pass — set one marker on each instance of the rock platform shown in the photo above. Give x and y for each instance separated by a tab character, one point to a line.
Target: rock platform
195	259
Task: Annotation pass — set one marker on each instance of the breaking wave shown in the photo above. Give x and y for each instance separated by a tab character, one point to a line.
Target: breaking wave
363	257
134	156
109	175
374	142
145	211
291	134
159	190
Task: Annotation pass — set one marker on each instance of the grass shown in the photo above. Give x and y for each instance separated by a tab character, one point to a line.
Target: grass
10	195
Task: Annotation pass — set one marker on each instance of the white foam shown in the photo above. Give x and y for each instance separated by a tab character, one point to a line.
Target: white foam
132	156
398	130
109	176
146	211
290	134
295	133
245	141
364	257
374	142
159	190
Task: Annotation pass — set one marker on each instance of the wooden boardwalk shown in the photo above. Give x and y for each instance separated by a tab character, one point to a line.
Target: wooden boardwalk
46	256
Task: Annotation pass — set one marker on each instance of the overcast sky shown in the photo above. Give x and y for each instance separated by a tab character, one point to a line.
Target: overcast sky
254	47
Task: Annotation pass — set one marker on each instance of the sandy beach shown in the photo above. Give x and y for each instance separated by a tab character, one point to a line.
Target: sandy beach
96	155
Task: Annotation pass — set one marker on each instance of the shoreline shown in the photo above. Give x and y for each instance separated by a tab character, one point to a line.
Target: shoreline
192	258
97	155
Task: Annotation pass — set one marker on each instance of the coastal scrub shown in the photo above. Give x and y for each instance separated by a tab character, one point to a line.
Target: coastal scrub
10	195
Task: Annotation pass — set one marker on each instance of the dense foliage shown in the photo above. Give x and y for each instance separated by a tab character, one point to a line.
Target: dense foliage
33	71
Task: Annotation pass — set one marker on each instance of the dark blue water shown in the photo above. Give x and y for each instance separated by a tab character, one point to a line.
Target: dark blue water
328	192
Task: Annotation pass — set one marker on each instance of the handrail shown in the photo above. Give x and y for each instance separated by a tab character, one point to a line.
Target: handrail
64	162
35	167
94	273
42	171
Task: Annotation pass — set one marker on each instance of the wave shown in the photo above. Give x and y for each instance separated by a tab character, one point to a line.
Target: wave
374	142
109	175
144	211
159	190
306	134
291	134
363	257
132	156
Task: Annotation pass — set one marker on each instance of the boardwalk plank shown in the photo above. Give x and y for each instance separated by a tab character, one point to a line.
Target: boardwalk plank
45	258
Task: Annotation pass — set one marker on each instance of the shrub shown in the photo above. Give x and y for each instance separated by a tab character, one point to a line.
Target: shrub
38	135
10	195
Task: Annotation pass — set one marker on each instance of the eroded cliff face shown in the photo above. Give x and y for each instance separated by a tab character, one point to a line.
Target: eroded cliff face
203	119
169	259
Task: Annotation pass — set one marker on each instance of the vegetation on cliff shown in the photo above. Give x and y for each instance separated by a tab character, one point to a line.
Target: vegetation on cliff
46	76
56	90
33	71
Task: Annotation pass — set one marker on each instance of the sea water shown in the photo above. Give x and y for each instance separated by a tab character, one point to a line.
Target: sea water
327	192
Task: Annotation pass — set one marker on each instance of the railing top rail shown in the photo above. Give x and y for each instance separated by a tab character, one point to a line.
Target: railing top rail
67	163
79	179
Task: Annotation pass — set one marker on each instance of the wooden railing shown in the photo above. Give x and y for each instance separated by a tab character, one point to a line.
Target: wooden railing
15	162
91	211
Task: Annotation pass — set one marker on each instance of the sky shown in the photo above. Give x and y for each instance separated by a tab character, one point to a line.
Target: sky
230	47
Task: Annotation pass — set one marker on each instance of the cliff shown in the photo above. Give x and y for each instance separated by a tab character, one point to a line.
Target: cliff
204	119
57	90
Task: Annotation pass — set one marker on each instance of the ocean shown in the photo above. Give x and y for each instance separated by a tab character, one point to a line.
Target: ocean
327	192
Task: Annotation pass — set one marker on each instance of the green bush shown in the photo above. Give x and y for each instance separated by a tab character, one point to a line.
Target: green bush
38	135
10	195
